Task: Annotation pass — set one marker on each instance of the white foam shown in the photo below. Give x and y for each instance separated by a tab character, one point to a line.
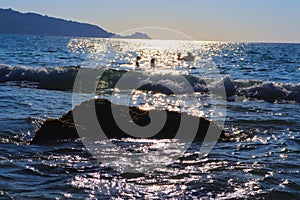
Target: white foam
271	91
52	78
62	78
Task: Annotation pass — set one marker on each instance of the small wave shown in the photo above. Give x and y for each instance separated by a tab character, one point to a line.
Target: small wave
268	91
59	78
258	89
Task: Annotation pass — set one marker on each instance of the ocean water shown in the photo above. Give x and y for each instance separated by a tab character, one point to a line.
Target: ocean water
258	160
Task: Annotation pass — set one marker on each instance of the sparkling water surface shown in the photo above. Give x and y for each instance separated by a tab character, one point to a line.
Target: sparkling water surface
259	160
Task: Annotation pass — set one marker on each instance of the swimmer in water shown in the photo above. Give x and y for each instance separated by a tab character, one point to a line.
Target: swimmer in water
189	57
137	61
152	63
179	58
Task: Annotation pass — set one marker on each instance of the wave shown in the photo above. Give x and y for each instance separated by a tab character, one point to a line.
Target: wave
56	78
62	78
268	91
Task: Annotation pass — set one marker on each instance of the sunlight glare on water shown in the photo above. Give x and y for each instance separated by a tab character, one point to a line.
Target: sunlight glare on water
258	160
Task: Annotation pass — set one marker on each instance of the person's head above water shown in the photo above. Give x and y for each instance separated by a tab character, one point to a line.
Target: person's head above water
137	63
179	58
152	62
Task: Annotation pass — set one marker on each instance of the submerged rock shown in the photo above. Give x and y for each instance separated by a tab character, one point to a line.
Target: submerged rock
64	128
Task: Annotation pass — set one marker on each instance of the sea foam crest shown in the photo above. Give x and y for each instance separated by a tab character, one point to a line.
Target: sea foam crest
62	78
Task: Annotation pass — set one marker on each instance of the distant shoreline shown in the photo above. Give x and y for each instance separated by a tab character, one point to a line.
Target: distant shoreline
209	41
14	22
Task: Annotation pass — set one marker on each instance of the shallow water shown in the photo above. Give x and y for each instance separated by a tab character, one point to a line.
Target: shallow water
260	159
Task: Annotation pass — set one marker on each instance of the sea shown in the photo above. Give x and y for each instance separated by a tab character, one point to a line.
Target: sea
260	113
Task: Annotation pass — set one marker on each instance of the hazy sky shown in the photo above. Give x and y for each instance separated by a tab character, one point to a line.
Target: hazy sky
225	20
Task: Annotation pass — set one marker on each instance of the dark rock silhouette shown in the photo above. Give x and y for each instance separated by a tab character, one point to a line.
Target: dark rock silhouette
55	130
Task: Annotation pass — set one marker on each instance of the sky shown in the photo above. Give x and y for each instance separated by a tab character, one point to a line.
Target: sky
212	20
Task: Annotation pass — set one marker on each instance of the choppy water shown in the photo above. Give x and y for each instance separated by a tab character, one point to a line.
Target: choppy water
259	160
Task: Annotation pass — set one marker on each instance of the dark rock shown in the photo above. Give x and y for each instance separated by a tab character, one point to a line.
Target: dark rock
64	128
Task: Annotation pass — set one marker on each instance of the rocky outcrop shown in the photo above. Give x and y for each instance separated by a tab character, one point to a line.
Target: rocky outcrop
64	128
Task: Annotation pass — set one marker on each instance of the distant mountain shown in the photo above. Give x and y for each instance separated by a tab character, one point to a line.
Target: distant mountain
135	35
14	22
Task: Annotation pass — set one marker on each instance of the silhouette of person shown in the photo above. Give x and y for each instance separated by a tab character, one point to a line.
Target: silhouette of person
189	57
179	58
137	61
152	63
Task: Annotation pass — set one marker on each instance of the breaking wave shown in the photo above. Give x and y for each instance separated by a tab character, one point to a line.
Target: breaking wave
56	78
62	78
